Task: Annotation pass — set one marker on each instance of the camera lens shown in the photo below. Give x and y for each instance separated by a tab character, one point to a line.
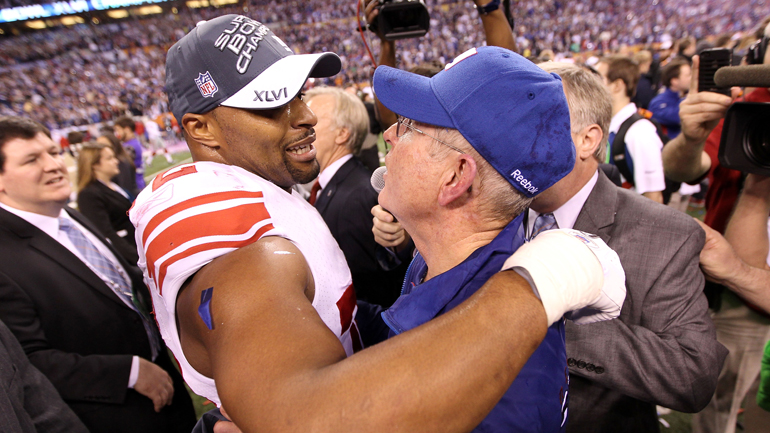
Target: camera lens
756	141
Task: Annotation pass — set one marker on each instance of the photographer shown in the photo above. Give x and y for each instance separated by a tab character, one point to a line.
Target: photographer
739	259
691	157
496	29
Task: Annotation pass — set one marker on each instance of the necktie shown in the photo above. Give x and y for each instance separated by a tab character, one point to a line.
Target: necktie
109	273
543	222
314	192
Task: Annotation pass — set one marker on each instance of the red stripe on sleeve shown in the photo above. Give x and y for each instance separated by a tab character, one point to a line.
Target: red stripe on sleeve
162	178
197	201
226	222
209	246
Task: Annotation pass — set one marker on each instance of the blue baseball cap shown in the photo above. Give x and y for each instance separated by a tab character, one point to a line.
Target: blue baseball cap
512	112
235	61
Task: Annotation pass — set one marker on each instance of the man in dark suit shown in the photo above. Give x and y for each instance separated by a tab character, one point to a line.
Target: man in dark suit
28	401
73	303
662	349
343	194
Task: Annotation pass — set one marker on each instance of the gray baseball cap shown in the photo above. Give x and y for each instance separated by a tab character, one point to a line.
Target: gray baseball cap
238	62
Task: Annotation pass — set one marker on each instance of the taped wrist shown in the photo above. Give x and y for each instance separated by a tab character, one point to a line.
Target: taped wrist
566	273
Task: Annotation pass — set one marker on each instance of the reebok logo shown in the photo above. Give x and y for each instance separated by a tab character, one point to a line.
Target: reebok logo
518	177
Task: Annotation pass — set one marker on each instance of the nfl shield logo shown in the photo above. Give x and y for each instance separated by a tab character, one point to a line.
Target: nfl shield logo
206	85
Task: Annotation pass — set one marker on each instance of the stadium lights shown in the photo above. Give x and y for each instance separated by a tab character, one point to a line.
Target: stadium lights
195	4
37	24
71	21
150	10
117	14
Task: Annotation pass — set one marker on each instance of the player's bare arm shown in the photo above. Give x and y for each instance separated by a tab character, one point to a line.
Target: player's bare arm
279	368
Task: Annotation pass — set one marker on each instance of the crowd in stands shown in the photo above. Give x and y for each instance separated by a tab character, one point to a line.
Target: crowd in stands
90	73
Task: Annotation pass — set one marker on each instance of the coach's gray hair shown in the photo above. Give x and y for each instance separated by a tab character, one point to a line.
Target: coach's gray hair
588	99
349	113
499	200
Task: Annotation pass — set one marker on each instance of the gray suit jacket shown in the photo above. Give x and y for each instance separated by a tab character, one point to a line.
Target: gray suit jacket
663	348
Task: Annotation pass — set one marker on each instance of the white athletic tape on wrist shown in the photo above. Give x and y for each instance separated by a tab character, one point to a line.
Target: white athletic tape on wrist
565	270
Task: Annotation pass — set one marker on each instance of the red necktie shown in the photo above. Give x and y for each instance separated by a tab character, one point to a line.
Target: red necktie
314	192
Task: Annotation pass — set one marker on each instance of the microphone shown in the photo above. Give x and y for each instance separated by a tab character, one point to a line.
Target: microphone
378	183
743	76
378	179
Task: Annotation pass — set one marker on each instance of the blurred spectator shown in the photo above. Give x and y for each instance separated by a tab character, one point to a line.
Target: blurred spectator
646	89
90	73
103	201
344	195
125	131
126	179
665	106
637	137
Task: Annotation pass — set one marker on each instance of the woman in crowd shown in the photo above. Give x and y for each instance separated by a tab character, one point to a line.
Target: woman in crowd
126	179
104	202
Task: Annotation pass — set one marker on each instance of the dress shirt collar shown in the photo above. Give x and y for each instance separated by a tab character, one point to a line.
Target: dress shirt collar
49	225
326	176
567	214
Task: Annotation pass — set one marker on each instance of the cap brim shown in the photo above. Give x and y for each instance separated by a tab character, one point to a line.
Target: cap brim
280	83
410	95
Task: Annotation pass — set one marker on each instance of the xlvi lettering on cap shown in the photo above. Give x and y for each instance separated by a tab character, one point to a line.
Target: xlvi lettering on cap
526	184
271	95
206	85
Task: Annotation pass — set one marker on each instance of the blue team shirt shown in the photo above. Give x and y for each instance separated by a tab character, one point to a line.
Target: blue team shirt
537	399
665	110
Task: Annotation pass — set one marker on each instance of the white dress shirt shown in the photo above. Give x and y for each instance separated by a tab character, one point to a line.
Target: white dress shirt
326	176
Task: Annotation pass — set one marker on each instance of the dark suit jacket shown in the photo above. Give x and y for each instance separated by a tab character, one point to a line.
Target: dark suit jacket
345	205
28	401
107	209
663	348
126	179
78	333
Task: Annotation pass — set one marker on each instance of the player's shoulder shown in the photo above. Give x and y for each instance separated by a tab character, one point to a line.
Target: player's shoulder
196	184
205	176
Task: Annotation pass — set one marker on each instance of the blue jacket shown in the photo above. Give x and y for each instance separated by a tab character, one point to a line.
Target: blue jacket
537	399
665	110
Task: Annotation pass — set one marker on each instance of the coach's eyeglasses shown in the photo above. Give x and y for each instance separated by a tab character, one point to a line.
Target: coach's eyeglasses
404	123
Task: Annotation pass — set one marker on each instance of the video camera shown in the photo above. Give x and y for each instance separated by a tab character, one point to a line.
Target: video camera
745	142
401	19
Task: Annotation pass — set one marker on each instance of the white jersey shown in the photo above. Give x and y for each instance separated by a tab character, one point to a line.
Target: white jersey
196	212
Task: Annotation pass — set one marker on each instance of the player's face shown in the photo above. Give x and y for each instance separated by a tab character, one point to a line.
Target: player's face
274	144
34	177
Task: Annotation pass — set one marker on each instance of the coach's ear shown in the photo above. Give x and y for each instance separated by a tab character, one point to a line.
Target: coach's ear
458	181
